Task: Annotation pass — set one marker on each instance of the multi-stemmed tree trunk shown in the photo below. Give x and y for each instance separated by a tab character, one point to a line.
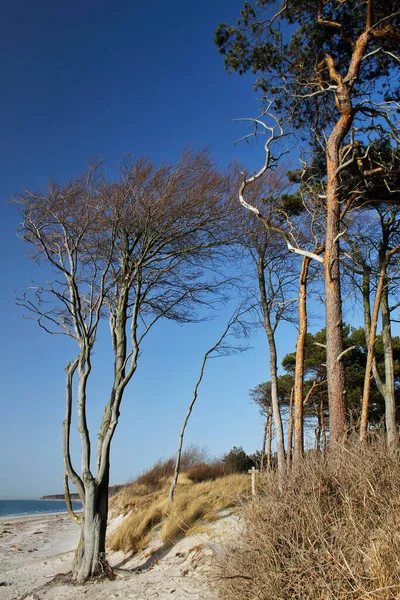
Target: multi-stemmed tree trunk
366	296
135	251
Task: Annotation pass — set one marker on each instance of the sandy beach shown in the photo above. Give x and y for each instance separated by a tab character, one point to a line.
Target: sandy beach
33	549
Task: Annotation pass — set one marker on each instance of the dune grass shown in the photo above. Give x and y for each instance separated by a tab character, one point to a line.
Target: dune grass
330	531
193	502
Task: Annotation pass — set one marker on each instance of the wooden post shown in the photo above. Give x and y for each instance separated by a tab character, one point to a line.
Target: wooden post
253	472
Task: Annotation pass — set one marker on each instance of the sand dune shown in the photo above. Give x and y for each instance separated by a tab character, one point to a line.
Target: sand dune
34	549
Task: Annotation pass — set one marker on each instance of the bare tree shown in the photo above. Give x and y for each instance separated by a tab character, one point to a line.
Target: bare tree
133	251
235	326
373	245
275	274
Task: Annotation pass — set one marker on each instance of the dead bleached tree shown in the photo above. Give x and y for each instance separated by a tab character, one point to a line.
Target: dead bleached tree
136	250
235	326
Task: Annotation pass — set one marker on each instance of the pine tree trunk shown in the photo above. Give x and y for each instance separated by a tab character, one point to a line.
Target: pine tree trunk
322	422
333	308
333	300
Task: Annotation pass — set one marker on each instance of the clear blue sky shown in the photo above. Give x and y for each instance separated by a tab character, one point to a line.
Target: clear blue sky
105	78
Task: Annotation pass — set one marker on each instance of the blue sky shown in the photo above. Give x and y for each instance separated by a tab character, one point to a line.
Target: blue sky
102	79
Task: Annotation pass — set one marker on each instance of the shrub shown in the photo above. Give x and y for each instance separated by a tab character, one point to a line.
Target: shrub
331	530
206	472
155	477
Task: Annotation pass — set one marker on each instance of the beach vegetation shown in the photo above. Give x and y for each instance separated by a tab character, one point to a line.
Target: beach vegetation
331	531
194	503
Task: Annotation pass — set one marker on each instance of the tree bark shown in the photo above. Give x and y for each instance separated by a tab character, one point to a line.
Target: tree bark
366	294
371	355
290	432
273	365
322	422
264	442
333	301
269	449
89	559
392	436
298	449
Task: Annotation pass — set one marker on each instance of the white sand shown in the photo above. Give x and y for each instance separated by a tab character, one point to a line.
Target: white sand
34	549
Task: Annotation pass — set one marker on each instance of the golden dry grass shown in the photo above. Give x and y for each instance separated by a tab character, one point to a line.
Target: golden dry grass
193	502
330	532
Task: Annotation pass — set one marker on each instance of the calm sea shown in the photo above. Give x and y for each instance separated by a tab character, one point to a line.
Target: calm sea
13	508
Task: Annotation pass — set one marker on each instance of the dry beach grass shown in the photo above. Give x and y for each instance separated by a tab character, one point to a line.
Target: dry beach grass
331	531
193	502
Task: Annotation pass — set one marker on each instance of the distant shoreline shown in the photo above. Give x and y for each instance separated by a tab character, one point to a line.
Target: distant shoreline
60	497
49	499
31	518
112	490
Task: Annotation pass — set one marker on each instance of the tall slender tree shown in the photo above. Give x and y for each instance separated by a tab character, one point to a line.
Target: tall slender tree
319	60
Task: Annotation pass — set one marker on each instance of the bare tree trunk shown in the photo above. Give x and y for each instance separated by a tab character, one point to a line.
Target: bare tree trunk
89	560
269	449
280	447
182	433
290	432
234	319
390	405
370	356
366	294
322	421
317	433
264	442
299	368
273	365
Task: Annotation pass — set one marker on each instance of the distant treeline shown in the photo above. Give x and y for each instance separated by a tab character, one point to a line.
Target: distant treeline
114	489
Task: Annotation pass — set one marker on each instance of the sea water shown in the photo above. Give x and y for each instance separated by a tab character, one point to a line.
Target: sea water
14	508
